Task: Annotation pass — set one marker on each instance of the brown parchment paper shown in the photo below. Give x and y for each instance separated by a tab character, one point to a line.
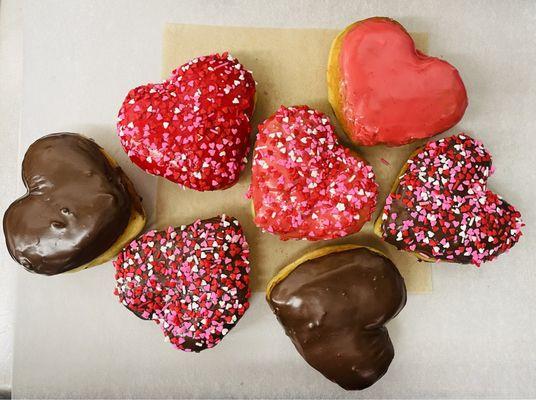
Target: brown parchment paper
289	66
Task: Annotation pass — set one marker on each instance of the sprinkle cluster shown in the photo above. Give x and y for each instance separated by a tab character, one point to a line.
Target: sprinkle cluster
192	280
304	184
193	128
442	208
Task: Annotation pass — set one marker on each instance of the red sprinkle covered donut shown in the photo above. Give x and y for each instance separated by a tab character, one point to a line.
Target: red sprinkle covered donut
192	280
384	91
194	128
441	209
304	184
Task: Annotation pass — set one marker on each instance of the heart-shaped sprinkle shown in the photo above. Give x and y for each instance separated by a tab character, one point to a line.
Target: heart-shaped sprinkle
442	208
192	280
194	128
304	184
383	90
333	304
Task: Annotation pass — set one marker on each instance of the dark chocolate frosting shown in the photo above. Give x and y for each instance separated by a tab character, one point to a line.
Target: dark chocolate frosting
334	309
76	207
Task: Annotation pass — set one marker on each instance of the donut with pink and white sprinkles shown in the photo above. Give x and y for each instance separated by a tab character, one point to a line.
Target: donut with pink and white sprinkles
192	280
304	184
441	208
193	128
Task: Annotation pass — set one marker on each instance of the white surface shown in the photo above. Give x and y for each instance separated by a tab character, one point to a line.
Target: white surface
10	99
473	337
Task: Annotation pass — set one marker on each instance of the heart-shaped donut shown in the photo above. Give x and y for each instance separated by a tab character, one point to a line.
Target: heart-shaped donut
333	304
79	211
194	128
441	208
384	91
192	280
304	184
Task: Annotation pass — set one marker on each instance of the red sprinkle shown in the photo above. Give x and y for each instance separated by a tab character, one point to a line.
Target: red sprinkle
443	209
304	184
192	280
193	128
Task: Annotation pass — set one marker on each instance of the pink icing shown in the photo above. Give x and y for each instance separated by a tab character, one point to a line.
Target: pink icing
391	92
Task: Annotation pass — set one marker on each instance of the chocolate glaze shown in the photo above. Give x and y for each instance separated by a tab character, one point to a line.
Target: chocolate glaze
334	309
76	207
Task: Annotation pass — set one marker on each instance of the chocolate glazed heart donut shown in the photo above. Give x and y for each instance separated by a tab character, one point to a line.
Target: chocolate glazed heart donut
80	209
333	304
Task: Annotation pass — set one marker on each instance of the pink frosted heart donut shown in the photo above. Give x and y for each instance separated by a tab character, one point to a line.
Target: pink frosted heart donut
385	91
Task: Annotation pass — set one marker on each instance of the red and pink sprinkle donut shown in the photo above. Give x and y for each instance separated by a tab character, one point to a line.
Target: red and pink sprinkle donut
194	128
304	184
443	209
192	280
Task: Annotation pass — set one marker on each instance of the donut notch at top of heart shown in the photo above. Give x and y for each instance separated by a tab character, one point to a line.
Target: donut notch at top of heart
441	209
304	184
385	91
193	128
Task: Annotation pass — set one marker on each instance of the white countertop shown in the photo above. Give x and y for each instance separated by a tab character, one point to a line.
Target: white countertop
472	337
10	102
